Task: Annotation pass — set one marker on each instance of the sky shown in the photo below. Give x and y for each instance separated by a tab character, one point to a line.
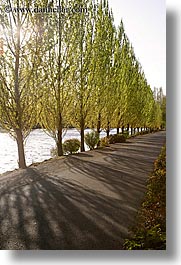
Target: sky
145	25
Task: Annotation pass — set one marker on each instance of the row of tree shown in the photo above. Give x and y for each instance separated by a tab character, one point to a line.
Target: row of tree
62	69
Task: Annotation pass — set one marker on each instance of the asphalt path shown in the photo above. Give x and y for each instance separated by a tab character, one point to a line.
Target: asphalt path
84	201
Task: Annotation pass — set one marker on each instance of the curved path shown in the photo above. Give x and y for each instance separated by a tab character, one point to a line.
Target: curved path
84	201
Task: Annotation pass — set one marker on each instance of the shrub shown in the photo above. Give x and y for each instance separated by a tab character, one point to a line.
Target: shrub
143	133
117	138
54	152
150	231
112	139
92	139
126	134
71	146
104	142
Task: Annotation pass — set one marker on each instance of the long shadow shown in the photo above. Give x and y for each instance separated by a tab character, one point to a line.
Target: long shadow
51	213
121	177
91	207
133	160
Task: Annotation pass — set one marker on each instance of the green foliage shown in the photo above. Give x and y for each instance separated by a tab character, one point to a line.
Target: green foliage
20	62
79	70
150	239
103	81
117	138
150	232
126	134
163	109
156	115
92	139
71	146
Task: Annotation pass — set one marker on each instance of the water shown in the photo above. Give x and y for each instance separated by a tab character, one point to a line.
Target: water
37	147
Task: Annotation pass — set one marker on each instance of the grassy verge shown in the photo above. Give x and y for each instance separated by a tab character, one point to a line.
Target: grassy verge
150	231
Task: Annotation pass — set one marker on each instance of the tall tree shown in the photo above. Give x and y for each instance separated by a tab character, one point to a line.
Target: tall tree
103	49
163	109
109	93
124	75
18	61
58	68
83	25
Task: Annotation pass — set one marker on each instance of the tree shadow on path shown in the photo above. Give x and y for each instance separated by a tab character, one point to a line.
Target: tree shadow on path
88	205
44	212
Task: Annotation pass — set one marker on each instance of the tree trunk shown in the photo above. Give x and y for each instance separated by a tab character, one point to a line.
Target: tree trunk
108	129
128	128
138	129
82	127
99	128
141	129
59	143
99	124
107	132
82	147
131	130
60	127
18	130
134	130
21	152
122	129
118	125
59	133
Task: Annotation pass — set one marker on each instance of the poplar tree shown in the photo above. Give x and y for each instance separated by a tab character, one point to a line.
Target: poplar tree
58	68
18	97
82	89
103	61
109	93
124	76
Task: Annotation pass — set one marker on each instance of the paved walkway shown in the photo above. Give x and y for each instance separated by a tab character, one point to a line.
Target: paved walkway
84	201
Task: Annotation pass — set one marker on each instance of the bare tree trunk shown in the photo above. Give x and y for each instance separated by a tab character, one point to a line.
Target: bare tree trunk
99	128
82	147
131	130
99	124
59	141
18	129
118	125
82	128
59	127
21	153
108	129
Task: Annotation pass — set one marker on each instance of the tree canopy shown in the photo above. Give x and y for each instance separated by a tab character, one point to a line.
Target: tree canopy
71	69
